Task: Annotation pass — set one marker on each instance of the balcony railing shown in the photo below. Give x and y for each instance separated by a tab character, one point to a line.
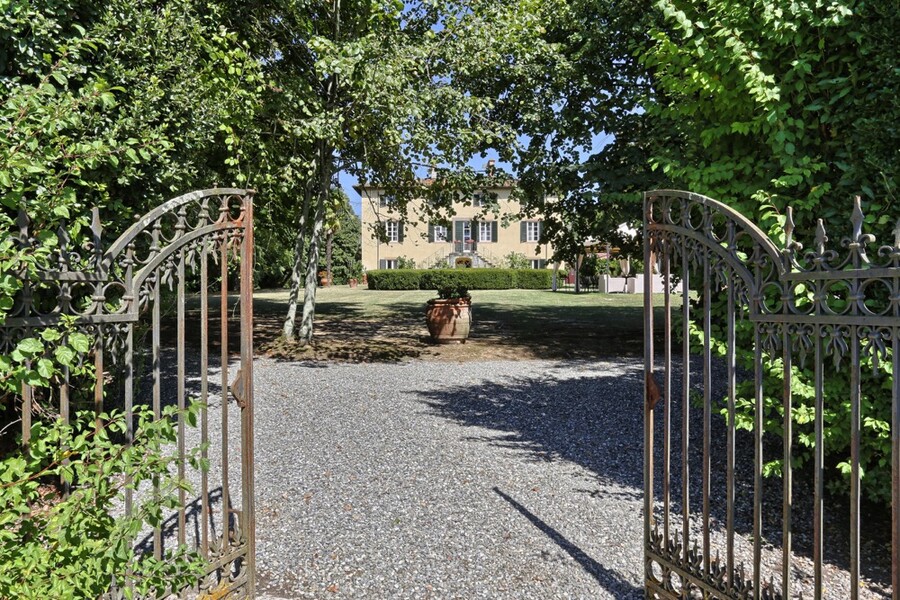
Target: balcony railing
465	247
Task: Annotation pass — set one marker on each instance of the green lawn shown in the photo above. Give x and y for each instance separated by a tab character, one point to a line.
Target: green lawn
361	324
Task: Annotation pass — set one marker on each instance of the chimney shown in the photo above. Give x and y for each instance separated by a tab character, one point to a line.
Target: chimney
432	173
490	166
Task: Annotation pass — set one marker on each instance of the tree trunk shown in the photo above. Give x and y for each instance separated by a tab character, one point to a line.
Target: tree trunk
296	270
312	259
325	168
328	244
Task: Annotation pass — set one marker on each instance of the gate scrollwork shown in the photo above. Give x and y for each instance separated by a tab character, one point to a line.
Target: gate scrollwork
817	308
112	293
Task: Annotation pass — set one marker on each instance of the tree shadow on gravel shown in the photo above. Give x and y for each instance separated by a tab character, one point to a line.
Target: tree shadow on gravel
611	580
596	421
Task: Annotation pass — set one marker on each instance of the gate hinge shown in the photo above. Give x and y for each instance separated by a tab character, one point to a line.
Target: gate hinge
237	389
654	393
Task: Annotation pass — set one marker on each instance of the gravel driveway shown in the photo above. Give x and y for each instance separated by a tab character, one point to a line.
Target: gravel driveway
449	480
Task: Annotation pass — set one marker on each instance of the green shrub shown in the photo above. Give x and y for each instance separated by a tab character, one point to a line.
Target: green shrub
517	260
405	262
468	279
535	279
473	279
72	547
394	279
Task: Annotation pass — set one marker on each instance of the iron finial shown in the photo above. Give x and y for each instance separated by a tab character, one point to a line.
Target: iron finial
856	219
22	223
821	238
789	227
96	226
897	235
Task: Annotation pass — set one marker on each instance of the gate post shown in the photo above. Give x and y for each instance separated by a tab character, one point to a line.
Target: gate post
247	470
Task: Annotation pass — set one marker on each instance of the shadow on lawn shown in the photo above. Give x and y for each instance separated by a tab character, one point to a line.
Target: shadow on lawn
348	333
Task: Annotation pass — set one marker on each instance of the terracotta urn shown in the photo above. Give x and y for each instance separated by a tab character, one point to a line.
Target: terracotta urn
449	320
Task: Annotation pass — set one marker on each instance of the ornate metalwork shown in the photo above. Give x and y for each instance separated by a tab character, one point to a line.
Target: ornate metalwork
109	292
829	309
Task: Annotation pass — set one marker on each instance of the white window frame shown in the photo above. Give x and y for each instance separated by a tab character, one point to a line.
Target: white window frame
536	263
478	199
386	200
467	231
485	231
441	234
532	231
390	263
392	231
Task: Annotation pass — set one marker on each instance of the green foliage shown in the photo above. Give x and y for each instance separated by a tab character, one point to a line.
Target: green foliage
770	104
394	279
516	260
117	105
406	263
458	281
589	137
346	253
875	388
52	546
534	279
777	103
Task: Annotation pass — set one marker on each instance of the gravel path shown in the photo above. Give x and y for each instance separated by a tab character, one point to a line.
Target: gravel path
449	480
492	479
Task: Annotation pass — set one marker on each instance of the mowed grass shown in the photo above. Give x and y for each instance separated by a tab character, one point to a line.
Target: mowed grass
365	325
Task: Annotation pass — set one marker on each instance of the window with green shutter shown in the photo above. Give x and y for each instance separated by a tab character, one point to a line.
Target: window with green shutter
459	233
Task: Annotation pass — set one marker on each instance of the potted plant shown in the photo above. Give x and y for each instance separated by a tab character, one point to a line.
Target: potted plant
449	316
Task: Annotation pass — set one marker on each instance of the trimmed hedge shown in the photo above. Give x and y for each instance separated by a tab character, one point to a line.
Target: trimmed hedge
472	279
534	279
394	279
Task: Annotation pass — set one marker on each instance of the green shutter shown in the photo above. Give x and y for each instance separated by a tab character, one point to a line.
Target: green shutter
494	231
523	232
431	234
458	231
400	231
540	229
474	228
382	264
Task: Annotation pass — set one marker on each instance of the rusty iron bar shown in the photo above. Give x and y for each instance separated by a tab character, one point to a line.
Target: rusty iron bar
730	450
707	406
204	398
648	408
181	374
223	357
667	390
156	324
819	468
247	471
895	453
854	463
685	409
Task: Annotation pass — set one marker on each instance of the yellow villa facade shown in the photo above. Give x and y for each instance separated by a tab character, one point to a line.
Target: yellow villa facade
470	236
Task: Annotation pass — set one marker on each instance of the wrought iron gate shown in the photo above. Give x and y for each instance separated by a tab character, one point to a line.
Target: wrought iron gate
115	292
818	308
